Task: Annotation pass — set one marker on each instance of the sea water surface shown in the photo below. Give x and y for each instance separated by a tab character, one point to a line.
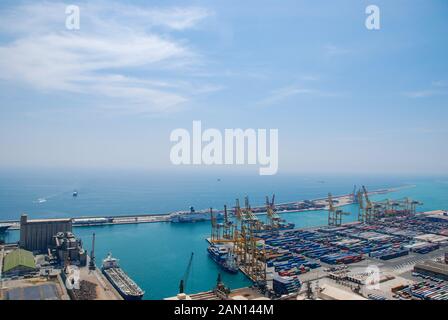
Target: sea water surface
156	254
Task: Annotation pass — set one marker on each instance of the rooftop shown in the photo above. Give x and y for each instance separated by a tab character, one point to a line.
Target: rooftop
18	257
436	267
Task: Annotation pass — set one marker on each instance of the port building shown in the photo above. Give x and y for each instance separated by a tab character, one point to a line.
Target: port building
433	269
18	262
67	249
37	235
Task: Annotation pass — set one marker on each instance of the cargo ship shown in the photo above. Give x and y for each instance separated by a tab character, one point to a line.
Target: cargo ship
193	216
127	288
223	257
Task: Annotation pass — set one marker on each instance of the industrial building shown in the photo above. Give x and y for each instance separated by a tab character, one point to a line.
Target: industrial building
68	250
37	235
433	269
18	263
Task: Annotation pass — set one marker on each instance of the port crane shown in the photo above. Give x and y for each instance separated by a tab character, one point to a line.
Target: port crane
183	281
227	226
215	235
92	254
251	257
354	195
389	207
238	213
368	208
334	214
361	216
221	232
273	221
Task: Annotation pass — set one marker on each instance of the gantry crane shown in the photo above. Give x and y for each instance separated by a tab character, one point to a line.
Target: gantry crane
215	234
334	214
183	281
411	205
238	213
227	226
354	195
250	256
273	219
368	208
221	232
361	216
389	207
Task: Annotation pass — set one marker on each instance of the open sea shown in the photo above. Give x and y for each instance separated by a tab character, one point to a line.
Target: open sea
155	255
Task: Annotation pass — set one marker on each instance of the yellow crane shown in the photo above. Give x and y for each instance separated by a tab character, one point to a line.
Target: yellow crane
273	219
361	217
227	225
221	232
368	208
334	214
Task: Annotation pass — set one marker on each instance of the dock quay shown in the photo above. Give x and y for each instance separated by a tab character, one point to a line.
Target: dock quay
286	207
87	221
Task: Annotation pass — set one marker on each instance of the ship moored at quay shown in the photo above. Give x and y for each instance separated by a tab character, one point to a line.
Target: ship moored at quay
125	286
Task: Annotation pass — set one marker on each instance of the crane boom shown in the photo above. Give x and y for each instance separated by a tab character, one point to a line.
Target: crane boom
183	281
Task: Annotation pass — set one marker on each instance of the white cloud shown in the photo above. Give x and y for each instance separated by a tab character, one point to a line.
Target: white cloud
437	88
284	93
117	54
331	50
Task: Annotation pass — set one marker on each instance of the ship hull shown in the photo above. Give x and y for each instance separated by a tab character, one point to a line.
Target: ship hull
120	291
221	262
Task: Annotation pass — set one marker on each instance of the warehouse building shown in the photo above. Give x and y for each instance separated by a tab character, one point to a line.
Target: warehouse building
37	235
433	269
18	263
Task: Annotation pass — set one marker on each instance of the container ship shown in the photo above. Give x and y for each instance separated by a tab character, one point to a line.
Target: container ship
127	288
223	257
193	216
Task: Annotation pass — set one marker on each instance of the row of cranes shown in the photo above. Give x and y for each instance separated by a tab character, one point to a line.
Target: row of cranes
369	211
373	210
240	234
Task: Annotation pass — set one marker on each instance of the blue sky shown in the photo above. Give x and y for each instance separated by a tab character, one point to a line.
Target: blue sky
344	98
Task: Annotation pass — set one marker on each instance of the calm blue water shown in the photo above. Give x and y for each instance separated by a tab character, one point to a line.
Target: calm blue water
156	255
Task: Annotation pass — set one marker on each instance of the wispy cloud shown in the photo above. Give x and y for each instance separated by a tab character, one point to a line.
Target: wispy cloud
118	54
437	88
282	94
331	50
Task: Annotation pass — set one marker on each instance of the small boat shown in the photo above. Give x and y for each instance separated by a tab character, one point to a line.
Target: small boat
75	194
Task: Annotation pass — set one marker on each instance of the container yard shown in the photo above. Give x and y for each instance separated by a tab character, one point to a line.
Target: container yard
389	239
